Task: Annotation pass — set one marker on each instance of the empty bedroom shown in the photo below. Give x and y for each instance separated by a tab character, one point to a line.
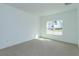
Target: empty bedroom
39	29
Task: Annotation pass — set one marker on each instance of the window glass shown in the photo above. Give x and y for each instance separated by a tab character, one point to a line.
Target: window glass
55	27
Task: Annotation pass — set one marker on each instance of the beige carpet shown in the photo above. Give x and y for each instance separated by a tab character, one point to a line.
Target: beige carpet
43	47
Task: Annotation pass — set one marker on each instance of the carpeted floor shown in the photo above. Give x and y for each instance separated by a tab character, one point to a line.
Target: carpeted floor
42	47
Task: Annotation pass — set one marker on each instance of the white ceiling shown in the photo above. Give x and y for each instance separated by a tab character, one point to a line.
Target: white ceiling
41	8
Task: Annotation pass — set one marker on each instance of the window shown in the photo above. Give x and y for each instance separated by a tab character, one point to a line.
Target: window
55	27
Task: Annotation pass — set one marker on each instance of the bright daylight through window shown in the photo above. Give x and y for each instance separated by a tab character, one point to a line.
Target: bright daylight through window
54	27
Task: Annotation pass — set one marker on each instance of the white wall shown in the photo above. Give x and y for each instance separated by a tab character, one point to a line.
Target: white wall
16	26
78	25
70	26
